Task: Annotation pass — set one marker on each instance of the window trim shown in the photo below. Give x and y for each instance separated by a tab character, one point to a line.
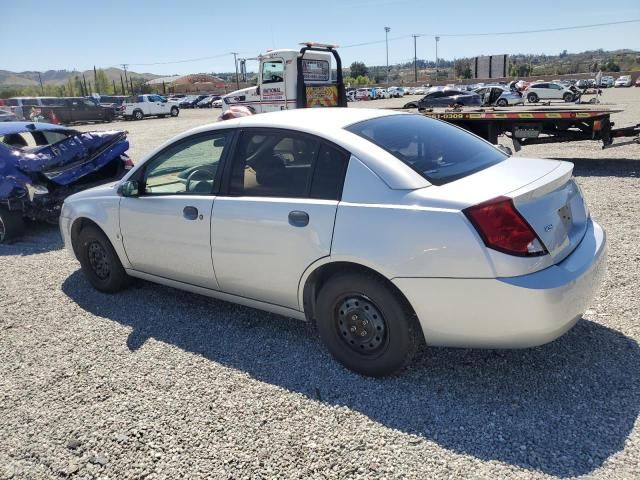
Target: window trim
141	174
230	157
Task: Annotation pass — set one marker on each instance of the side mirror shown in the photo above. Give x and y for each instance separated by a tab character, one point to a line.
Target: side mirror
219	142
505	149
129	189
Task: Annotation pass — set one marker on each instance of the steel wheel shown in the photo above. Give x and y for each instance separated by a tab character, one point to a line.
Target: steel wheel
360	324
501	102
138	115
99	261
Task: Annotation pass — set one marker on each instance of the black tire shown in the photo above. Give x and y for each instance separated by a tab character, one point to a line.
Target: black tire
568	97
502	102
410	105
100	262
138	115
11	225
161	116
365	326
532	98
175	111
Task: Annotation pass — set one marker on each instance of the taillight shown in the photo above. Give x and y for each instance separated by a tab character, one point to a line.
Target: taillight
126	162
502	228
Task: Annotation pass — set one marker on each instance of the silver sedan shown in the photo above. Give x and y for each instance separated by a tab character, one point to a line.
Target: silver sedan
386	229
499	96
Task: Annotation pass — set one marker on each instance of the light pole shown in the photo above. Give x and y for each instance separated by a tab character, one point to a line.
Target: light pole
386	39
236	63
437	40
415	59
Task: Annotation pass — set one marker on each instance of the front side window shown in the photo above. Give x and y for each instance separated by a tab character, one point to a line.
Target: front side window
189	167
272	71
438	151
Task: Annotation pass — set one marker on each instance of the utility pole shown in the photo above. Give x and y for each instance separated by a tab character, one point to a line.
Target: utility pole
235	61
415	59
126	81
437	40
386	40
41	87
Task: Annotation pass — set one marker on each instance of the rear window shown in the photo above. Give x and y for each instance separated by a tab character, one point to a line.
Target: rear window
438	151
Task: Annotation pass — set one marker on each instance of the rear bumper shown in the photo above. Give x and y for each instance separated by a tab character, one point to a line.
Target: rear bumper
513	312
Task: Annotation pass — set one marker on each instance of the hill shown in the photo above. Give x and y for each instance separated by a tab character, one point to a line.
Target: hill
61	77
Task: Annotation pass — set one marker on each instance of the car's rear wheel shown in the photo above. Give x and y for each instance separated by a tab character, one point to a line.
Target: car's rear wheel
365	325
174	111
568	97
411	105
532	98
138	115
100	262
502	102
11	225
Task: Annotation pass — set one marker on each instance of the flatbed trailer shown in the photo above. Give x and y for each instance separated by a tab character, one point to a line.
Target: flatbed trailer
540	124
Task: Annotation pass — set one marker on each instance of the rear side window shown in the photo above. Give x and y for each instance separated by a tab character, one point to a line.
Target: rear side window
329	172
438	151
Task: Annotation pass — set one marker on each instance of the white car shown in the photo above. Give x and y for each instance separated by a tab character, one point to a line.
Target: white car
384	228
217	103
363	94
548	91
382	93
396	92
623	81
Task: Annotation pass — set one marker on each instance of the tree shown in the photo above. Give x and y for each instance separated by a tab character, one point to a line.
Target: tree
359	69
103	85
362	80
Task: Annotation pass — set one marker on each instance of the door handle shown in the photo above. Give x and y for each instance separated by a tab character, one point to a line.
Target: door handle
298	218
190	213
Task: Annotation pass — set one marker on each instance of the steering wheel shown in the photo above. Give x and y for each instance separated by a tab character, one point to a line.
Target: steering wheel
193	174
276	78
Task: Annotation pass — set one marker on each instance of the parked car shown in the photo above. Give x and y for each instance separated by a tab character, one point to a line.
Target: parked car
19	105
363	94
582	84
606	81
41	164
419	91
112	101
548	91
207	102
191	101
499	95
68	110
7	116
217	103
382	93
148	105
446	97
623	81
292	231
351	95
396	92
637	84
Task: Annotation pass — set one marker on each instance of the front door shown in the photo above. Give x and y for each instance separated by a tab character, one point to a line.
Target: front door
166	229
277	216
272	90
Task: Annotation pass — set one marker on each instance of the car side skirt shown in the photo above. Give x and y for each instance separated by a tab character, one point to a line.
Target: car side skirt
227	297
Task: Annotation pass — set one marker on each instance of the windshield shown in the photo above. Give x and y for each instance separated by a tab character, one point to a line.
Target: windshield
438	151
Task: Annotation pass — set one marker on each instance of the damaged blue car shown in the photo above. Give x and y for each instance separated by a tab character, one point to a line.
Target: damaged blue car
41	164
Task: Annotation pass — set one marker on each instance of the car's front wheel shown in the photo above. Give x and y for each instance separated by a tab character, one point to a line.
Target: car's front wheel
502	102
99	261
11	225
174	111
568	97
532	98
365	325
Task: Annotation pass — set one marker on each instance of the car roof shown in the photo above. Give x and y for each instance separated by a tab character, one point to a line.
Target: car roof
8	128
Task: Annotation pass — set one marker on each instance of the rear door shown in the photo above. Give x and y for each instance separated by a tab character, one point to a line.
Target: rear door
277	215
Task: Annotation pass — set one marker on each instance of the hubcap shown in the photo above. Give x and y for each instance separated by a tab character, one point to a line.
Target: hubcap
99	261
360	325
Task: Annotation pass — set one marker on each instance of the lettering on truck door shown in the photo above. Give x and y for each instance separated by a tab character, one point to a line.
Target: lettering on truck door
272	91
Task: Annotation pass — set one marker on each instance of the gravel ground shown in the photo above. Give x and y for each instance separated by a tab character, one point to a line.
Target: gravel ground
158	383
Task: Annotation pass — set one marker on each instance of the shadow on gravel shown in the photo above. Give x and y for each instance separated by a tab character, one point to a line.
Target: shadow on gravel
562	409
38	237
613	167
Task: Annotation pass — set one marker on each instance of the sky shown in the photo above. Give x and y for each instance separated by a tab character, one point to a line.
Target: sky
72	34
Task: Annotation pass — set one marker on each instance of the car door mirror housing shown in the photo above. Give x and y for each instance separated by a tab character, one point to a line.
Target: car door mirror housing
219	142
129	189
505	149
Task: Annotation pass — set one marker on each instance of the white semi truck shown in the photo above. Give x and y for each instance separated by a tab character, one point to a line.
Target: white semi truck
290	78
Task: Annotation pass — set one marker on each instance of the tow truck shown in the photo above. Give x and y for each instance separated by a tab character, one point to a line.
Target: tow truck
540	124
291	78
